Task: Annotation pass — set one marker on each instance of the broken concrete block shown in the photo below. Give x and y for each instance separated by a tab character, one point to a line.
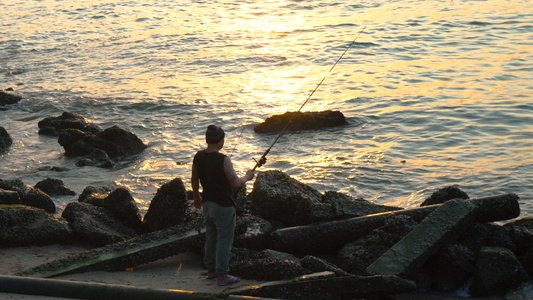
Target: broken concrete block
439	228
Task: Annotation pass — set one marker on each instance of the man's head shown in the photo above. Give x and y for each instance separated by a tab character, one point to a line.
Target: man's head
214	134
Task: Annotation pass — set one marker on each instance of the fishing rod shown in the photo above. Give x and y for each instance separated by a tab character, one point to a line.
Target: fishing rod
262	160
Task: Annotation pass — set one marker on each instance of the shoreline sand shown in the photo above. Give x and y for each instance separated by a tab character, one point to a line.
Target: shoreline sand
182	271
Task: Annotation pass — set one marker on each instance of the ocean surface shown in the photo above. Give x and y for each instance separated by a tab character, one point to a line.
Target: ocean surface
436	93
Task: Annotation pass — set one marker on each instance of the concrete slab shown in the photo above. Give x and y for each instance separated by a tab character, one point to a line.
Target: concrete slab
443	225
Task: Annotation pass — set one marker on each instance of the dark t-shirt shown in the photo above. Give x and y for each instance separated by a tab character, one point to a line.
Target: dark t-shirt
215	184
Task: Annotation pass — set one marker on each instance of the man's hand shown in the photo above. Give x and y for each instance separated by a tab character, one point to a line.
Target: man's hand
249	175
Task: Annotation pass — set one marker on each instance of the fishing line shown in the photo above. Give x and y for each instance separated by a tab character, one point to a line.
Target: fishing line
262	160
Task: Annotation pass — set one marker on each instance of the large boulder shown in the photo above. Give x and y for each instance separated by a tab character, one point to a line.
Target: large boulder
297	121
95	225
167	207
445	194
28	226
54	187
5	140
120	203
116	142
356	256
8	98
336	206
497	271
29	195
68	120
275	196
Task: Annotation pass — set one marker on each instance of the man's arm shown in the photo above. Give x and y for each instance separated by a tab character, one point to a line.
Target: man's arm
195	183
236	181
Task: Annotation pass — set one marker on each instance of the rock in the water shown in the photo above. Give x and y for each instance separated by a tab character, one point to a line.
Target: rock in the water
116	142
97	158
95	225
5	140
68	120
167	207
298	121
497	271
276	196
29	195
8	98
54	187
94	195
445	194
28	226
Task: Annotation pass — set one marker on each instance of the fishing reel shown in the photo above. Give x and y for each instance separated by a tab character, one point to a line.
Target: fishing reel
260	162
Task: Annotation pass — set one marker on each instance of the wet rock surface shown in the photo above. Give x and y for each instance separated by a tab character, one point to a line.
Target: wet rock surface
297	121
8	98
97	158
68	120
54	187
94	195
5	140
115	142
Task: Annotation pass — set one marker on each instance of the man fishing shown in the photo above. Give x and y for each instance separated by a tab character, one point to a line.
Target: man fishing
218	178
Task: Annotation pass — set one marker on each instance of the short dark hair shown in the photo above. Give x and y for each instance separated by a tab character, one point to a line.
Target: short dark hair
214	134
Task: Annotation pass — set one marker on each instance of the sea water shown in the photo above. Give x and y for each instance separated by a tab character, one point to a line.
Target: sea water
436	93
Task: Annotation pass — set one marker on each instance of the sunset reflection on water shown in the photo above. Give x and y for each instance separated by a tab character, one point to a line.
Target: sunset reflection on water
435	92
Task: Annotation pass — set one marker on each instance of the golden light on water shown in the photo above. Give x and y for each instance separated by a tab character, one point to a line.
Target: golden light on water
241	62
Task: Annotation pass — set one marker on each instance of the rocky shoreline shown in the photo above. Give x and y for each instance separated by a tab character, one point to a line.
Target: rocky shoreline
306	244
490	259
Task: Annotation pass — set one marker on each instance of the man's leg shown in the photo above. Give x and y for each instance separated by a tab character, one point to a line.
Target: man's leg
210	237
225	226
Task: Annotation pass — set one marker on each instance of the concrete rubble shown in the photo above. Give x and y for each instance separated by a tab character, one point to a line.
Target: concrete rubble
382	252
